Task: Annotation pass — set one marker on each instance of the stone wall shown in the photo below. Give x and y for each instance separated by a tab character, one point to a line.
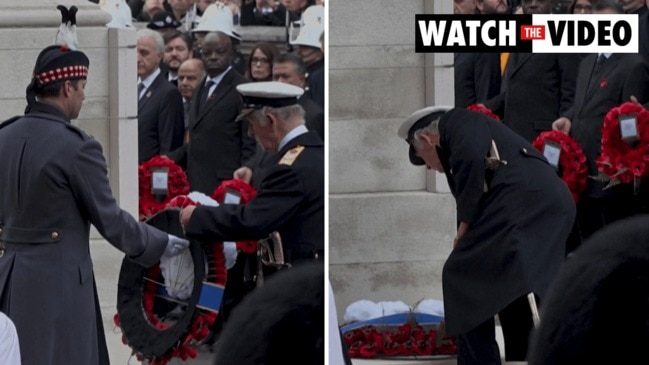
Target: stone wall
391	225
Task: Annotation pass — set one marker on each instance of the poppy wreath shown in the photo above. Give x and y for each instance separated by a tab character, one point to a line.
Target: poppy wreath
404	340
573	168
177	184
156	328
483	110
246	192
619	160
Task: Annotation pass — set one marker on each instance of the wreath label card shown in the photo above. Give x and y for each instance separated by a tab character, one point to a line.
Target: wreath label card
232	197
159	181
629	127
552	152
567	157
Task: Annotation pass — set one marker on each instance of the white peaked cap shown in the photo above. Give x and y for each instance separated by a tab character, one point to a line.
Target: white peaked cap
418	115
256	95
217	18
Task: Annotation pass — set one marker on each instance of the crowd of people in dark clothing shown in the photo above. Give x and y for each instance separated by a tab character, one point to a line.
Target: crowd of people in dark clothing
533	93
189	49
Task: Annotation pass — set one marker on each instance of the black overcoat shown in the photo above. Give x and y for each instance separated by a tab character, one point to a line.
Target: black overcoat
517	228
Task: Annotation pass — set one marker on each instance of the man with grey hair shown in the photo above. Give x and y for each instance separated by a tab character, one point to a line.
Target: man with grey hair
514	216
290	199
160	107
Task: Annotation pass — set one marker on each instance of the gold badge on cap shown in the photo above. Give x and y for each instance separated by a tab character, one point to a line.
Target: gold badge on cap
290	156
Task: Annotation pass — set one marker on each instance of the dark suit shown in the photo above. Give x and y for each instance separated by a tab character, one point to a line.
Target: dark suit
54	185
290	200
643	32
313	116
217	144
536	90
315	83
612	84
477	78
519	217
160	119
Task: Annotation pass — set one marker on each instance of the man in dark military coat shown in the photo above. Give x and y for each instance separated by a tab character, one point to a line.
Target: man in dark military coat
53	186
290	198
514	216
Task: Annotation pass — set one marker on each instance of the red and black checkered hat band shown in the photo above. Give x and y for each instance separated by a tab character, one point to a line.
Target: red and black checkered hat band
58	63
62	73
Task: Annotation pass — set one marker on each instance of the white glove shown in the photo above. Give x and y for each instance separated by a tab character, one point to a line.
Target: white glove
178	274
175	245
177	268
230	252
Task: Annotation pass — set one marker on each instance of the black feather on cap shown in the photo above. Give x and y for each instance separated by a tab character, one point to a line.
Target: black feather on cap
56	63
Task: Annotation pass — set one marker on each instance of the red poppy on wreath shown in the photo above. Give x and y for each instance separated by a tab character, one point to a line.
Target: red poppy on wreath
403	340
246	193
170	181
573	169
623	159
603	83
482	109
158	325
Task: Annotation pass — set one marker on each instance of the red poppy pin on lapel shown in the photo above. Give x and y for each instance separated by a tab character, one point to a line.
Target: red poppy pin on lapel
212	97
603	83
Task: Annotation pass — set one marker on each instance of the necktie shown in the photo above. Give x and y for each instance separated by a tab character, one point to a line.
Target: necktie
596	70
206	91
140	87
503	62
598	64
187	106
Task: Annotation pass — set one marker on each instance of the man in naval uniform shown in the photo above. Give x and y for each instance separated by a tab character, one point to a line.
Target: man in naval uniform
290	197
53	186
514	216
